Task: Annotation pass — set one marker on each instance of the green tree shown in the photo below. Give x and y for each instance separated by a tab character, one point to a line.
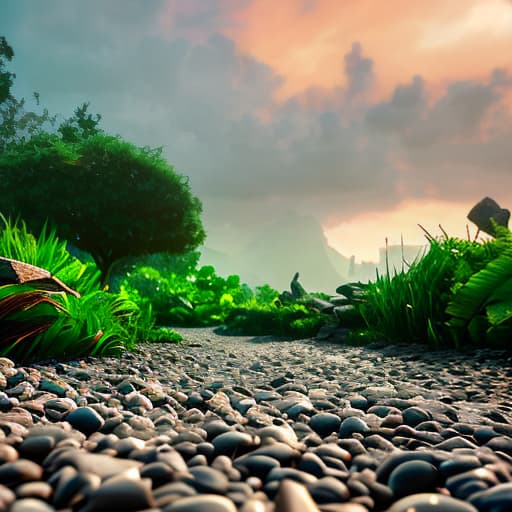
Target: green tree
80	125
103	194
16	123
6	78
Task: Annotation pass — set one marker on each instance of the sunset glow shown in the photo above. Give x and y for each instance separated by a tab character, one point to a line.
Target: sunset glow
305	41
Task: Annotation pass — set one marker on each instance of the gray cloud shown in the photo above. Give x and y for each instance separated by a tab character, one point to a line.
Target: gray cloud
330	152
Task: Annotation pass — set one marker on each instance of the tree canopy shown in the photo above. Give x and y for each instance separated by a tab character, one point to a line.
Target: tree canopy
104	195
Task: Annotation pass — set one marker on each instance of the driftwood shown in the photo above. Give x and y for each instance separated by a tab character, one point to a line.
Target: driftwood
17	272
485	212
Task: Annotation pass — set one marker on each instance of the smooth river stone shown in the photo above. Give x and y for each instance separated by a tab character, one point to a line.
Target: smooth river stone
431	502
415	415
257	465
7	453
353	425
329	490
85	419
234	443
73	487
14	473
31	505
36	448
102	465
202	503
459	464
413	477
292	497
121	493
325	423
495	499
394	460
207	480
7	497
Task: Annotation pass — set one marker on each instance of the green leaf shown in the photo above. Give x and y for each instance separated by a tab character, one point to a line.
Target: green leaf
473	296
499	312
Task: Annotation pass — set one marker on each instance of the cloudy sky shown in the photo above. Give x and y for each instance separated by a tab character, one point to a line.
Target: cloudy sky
370	116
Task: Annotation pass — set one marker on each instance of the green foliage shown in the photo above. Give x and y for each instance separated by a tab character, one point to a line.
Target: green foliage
104	195
34	325
48	252
481	307
459	292
25	313
6	78
183	295
80	125
409	305
257	319
194	298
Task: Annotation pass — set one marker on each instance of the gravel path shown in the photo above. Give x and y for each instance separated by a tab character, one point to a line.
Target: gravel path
221	424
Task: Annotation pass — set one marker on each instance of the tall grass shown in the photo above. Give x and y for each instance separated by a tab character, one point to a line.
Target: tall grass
34	325
408	305
48	252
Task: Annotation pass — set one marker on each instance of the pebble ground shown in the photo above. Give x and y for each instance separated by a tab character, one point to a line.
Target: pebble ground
220	424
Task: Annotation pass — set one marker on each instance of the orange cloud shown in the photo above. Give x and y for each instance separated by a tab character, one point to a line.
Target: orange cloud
306	41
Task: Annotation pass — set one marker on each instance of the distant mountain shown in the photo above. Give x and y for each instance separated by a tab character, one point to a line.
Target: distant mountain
340	263
290	244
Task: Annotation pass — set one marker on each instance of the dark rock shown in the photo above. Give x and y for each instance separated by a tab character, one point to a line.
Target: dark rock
257	465
485	210
158	472
459	464
413	477
73	488
325	423
398	458
207	480
279	474
414	415
352	425
36	448
329	490
234	443
120	493
495	499
14	473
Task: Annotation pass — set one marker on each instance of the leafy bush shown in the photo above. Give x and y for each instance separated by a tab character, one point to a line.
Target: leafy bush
481	305
199	297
